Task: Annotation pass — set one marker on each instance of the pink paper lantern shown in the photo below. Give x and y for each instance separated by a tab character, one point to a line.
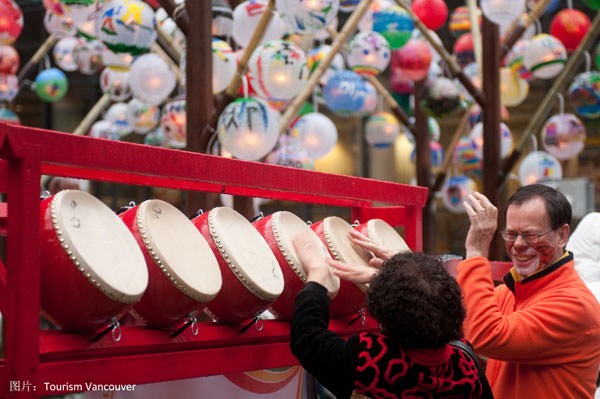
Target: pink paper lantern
433	13
464	49
412	60
11	21
570	26
9	60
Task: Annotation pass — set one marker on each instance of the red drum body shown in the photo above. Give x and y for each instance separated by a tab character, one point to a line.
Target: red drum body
92	271
278	231
382	233
183	271
252	278
334	233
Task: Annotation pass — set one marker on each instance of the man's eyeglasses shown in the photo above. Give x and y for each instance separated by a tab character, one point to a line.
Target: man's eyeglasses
529	238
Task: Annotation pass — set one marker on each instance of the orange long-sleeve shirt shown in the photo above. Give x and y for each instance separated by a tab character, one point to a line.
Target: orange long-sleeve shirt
541	334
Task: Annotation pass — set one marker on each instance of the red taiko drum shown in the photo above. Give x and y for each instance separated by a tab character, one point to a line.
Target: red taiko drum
278	230
334	232
92	270
184	274
383	234
252	278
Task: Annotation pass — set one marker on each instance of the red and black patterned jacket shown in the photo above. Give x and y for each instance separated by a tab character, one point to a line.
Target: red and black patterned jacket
371	363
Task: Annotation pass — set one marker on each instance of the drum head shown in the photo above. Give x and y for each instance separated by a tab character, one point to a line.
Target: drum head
337	235
384	234
100	245
286	226
248	254
179	249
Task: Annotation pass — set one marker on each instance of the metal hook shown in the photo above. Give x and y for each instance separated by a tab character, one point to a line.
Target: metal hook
259	321
561	103
309	222
116	327
356	223
588	61
198	213
360	315
257	217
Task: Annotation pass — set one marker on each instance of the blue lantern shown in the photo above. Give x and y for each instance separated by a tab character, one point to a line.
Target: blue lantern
345	92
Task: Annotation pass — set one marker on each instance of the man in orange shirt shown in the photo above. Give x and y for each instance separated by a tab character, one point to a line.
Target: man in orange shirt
541	329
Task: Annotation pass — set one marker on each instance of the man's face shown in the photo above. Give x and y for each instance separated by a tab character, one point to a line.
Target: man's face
532	217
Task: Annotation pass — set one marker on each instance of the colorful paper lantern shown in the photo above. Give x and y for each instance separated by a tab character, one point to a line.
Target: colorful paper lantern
156	138
245	20
150	78
395	24
224	65
368	53
117	114
370	101
540	167
316	133
11	21
584	94
9	86
60	26
63	53
563	136
381	129
126	26
88	56
173	122
456	190
440	97
345	93
412	60
505	139
117	81
289	152
104	130
459	21
307	16
278	70
348	5
433	13
464	49
570	26
142	117
121	60
222	18
314	57
545	56
436	157
248	128
476	114
365	24
514	59
433	127
513	89
9	60
8	116
502	12
466	158
51	85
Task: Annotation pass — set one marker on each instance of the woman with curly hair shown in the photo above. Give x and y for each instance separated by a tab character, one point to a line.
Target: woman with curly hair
419	309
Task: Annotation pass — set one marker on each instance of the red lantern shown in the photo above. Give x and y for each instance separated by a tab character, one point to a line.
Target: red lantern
9	60
464	49
433	13
11	21
570	26
412	60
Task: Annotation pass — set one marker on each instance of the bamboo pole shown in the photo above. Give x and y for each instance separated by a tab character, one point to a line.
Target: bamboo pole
340	39
177	14
543	110
43	49
168	41
516	29
92	114
475	33
160	52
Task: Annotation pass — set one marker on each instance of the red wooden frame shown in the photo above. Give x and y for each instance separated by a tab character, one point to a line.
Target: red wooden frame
38	357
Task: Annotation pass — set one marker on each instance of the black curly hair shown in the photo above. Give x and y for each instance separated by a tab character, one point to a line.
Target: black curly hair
416	302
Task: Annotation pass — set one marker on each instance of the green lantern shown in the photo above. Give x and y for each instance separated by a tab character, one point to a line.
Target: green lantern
51	85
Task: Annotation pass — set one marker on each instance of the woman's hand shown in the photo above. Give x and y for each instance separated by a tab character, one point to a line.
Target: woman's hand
379	252
312	256
357	274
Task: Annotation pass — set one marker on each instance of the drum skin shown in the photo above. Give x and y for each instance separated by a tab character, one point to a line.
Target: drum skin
235	303
350	298
68	298
384	234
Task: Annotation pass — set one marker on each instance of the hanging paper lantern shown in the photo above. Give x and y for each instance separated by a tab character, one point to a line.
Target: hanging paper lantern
314	57
87	29
222	18
476	114
550	7
505	139
464	49
316	133
456	190
6	115
545	56
502	12
126	26
307	16
433	13
173	121
277	70
121	60
11	21
563	136
88	56
245	20
459	21
248	128
514	59
440	97
395	24
117	81
570	26
382	129
471	71
223	65
584	94
289	152
593	4
368	53
324	34
348	5
466	158
117	114
51	85
433	127
60	26
156	138
9	86
513	89
412	60
370	101
9	60
366	22
150	78
63	53
540	167
104	130
437	154
345	93
172	32
142	117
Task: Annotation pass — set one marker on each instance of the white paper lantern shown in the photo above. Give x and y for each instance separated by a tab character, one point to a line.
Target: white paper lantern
368	53
366	22
173	122
245	20
324	34
314	57
88	56
307	16
370	101
289	152
456	190
563	136
9	85
382	129
117	81
278	70
540	167
222	18
545	56
348	5
317	134
126	26
505	139
224	65
513	89
104	130
117	114
150	78
248	128
502	12
63	53
122	60
142	117
60	26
